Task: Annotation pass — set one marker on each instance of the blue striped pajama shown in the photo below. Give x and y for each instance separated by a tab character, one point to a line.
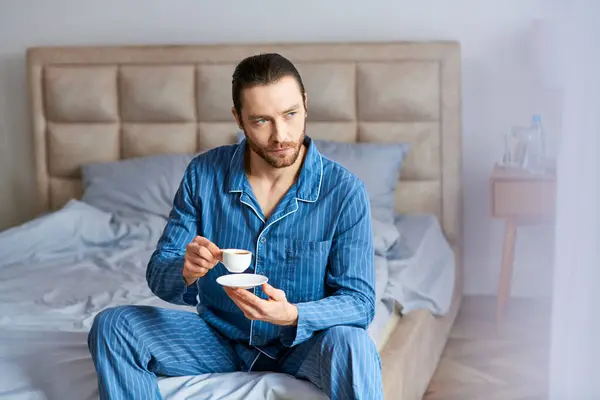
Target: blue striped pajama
317	246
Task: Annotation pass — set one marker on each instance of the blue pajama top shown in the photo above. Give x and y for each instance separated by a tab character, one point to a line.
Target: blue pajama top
317	246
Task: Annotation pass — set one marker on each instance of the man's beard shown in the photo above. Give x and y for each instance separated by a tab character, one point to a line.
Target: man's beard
278	160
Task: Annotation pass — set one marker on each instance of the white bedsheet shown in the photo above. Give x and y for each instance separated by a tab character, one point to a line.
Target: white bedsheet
58	271
421	266
42	365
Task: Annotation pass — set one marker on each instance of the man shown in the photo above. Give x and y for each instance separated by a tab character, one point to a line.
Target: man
307	222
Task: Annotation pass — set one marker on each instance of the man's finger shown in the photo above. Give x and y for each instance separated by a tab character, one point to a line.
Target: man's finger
241	295
198	262
196	269
249	298
247	308
193	247
195	260
275	294
205	254
202	241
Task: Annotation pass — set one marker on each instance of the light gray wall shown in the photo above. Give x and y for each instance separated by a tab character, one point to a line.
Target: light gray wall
499	88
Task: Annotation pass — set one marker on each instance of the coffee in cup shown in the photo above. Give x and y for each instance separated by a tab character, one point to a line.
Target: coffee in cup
236	260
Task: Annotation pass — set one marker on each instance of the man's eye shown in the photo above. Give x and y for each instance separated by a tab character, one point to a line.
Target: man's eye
260	121
291	114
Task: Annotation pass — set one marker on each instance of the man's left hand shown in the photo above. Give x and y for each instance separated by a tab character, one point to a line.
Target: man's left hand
275	310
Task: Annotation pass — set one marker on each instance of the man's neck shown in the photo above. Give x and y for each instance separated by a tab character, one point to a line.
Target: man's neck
259	170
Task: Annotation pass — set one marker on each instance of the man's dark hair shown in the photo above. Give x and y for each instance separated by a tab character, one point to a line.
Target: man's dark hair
261	69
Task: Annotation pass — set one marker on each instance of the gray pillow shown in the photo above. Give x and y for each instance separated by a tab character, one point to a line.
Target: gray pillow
378	165
133	187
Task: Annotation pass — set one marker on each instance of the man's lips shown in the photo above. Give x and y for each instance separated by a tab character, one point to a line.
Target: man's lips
281	150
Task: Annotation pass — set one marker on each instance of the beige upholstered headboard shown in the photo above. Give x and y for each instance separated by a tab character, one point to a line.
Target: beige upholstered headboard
93	104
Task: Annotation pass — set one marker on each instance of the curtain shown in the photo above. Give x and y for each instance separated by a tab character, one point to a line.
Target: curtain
575	328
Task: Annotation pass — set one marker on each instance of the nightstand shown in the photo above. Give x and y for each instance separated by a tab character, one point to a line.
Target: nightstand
519	198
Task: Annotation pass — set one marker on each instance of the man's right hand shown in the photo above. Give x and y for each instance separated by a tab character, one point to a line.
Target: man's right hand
201	255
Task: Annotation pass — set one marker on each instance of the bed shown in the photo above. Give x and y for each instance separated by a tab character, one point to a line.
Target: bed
106	105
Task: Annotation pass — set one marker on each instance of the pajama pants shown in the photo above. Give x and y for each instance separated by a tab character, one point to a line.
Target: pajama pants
131	345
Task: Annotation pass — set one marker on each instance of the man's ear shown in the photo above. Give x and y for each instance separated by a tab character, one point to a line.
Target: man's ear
238	118
306	103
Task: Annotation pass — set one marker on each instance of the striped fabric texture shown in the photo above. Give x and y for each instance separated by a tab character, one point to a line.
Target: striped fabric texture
131	345
317	246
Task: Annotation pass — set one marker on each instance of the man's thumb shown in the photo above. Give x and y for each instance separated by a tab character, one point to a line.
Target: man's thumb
272	292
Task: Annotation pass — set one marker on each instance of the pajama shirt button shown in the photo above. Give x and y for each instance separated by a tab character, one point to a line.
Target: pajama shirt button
263	239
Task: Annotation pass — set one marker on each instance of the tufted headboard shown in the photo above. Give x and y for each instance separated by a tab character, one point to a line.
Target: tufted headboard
92	104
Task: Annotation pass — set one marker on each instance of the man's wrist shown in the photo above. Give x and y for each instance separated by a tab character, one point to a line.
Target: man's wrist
293	320
189	281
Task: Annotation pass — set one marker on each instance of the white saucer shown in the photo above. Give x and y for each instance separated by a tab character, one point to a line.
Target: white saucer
243	281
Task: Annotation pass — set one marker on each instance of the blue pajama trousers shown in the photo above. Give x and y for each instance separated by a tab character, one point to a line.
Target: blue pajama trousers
131	345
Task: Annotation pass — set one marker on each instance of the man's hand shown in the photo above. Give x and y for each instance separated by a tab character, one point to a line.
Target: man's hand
201	255
275	310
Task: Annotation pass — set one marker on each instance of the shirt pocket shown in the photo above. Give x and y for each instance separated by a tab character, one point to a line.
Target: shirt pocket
306	268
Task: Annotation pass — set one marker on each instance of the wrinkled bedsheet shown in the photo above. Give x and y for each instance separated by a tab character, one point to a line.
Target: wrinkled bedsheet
57	272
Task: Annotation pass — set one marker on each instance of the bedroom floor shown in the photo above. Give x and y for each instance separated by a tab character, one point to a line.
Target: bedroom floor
482	361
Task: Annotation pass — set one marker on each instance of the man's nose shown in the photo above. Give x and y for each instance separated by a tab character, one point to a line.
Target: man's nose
279	133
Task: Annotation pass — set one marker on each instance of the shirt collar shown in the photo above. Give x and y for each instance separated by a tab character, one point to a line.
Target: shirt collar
308	185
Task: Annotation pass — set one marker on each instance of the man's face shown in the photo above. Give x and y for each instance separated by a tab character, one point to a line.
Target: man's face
274	121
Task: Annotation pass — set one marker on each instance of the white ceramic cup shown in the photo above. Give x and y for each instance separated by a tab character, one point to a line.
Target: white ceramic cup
236	260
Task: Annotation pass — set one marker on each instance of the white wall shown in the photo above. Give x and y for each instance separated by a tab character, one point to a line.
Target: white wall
499	84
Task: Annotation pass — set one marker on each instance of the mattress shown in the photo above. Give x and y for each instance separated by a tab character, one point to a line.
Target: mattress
57	272
413	350
387	316
432	292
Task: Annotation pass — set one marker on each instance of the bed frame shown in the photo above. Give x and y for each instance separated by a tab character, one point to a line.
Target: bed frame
93	104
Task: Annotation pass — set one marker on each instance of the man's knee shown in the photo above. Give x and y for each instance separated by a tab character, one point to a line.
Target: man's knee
350	338
107	322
